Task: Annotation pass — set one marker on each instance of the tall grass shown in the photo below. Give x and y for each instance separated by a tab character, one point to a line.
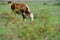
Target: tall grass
44	27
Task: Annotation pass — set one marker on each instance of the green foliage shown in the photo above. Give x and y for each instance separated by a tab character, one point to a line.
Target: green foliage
45	25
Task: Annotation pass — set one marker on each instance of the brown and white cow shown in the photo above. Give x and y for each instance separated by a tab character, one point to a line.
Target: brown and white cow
24	9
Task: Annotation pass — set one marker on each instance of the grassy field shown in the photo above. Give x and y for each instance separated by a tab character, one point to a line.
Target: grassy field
46	25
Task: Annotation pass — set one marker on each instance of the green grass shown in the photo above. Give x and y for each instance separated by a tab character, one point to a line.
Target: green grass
46	23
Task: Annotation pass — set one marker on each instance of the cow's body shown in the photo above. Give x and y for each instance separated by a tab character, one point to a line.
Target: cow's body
23	8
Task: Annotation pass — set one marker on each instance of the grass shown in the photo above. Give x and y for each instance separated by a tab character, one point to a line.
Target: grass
46	25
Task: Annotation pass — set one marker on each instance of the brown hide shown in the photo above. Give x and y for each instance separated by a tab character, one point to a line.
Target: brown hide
19	7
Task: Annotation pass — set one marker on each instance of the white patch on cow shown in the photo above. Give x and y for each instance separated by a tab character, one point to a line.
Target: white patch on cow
24	14
32	16
27	7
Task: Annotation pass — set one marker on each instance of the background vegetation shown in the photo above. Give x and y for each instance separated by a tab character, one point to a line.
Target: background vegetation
46	25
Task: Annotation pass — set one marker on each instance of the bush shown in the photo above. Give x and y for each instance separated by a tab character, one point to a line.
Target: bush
56	4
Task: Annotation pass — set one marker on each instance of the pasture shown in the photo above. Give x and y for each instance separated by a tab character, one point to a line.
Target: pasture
46	25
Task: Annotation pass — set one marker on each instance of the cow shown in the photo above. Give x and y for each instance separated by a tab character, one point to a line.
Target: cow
24	9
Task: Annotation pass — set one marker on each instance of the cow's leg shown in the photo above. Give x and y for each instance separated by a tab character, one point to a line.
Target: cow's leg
24	16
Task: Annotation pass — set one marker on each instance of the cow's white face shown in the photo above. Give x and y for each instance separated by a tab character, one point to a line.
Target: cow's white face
32	16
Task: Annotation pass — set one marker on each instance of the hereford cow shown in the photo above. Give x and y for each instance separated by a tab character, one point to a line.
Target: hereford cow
24	9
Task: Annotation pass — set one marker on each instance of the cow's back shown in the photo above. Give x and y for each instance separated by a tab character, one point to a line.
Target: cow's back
19	7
